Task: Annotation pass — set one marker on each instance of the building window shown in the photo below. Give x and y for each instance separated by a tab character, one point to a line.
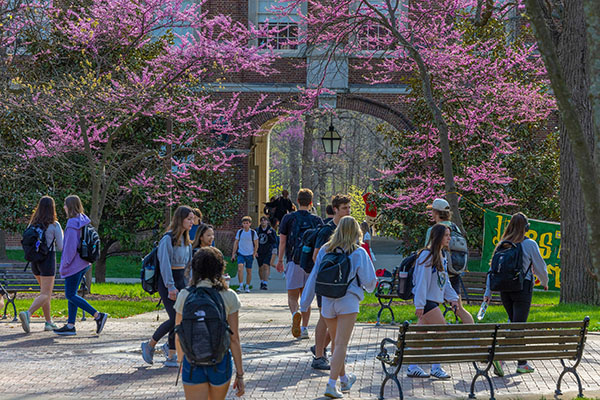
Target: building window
372	36
283	29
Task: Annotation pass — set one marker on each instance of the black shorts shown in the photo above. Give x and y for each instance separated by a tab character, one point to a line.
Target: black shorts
430	305
263	259
46	267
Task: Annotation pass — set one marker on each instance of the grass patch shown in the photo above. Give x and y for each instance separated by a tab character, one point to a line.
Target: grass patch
120	266
117	299
545	307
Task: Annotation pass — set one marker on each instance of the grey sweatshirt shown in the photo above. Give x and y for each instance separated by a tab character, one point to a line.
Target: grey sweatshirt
169	256
55	232
431	284
531	256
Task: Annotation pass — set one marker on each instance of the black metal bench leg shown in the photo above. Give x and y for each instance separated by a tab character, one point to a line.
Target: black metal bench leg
382	307
572	370
393	376
11	301
484	373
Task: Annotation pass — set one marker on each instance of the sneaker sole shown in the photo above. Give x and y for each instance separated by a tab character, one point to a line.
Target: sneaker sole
296	320
66	333
525	372
99	329
332	396
24	322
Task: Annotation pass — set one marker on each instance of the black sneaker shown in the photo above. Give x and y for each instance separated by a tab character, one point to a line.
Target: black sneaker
100	321
263	286
320	363
312	350
66	331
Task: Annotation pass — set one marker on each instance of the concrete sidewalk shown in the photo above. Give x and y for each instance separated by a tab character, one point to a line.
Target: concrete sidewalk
42	365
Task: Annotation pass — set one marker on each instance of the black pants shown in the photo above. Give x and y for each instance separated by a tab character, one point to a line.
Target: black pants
168	326
517	305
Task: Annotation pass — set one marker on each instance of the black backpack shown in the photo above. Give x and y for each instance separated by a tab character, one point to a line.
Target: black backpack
301	224
34	244
89	245
459	252
506	270
404	275
204	333
151	270
309	240
333	277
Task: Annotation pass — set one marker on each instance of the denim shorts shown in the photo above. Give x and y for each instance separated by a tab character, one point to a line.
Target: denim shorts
247	260
218	375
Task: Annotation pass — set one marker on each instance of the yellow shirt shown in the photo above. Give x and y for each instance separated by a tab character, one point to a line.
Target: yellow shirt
230	298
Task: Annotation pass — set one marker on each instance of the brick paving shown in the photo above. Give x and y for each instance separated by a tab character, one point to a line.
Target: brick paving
42	365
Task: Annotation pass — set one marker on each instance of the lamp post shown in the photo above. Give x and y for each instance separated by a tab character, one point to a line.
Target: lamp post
331	140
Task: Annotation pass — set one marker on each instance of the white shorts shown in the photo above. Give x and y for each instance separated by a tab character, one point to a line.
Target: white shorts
331	308
295	277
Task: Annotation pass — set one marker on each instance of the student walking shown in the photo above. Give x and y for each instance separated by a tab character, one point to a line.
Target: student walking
197	223
267	239
518	303
44	219
340	207
340	313
73	268
441	214
205	236
245	248
174	253
291	230
431	288
212	382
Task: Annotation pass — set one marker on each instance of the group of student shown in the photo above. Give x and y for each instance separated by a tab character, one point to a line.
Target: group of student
72	266
190	260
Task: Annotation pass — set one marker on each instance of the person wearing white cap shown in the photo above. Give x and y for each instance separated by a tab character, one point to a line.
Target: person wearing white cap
441	214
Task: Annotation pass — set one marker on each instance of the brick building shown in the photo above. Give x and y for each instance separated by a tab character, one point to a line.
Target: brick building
297	67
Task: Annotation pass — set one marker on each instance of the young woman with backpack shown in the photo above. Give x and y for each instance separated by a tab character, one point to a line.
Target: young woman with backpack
211	381
431	287
441	214
340	313
73	267
44	217
518	303
174	254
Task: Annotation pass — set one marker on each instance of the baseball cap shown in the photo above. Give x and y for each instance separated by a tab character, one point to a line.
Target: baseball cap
439	205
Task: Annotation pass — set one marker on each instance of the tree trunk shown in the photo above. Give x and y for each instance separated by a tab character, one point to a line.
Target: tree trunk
101	263
307	152
577	284
2	244
568	70
294	158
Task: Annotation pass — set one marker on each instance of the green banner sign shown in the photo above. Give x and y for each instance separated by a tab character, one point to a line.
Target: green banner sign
546	235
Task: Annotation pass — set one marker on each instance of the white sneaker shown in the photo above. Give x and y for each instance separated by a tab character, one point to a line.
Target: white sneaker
304	333
240	288
332	392
346	386
247	288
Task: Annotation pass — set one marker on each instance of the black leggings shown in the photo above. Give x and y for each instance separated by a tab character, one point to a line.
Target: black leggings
517	305
168	326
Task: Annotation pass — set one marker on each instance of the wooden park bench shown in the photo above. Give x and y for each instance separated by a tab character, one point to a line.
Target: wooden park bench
473	287
482	344
387	291
16	278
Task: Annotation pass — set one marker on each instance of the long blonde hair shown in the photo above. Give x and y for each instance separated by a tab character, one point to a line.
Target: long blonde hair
346	236
516	229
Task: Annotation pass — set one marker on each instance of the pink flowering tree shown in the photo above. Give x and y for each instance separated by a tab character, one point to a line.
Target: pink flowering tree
473	88
125	92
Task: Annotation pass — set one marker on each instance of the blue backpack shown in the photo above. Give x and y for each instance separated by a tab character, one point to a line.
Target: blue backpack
302	223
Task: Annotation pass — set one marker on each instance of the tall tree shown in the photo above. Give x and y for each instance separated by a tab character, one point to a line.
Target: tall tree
568	35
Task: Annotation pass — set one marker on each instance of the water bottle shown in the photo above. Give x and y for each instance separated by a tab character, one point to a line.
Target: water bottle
482	310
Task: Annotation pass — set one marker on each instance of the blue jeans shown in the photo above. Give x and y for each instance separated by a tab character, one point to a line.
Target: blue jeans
75	301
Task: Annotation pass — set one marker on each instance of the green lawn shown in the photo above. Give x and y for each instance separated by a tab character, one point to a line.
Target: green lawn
120	266
117	299
546	308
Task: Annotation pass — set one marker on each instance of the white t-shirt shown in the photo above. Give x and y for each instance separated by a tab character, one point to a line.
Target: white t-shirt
230	298
246	241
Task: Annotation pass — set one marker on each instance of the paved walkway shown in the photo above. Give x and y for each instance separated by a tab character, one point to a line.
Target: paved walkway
43	365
